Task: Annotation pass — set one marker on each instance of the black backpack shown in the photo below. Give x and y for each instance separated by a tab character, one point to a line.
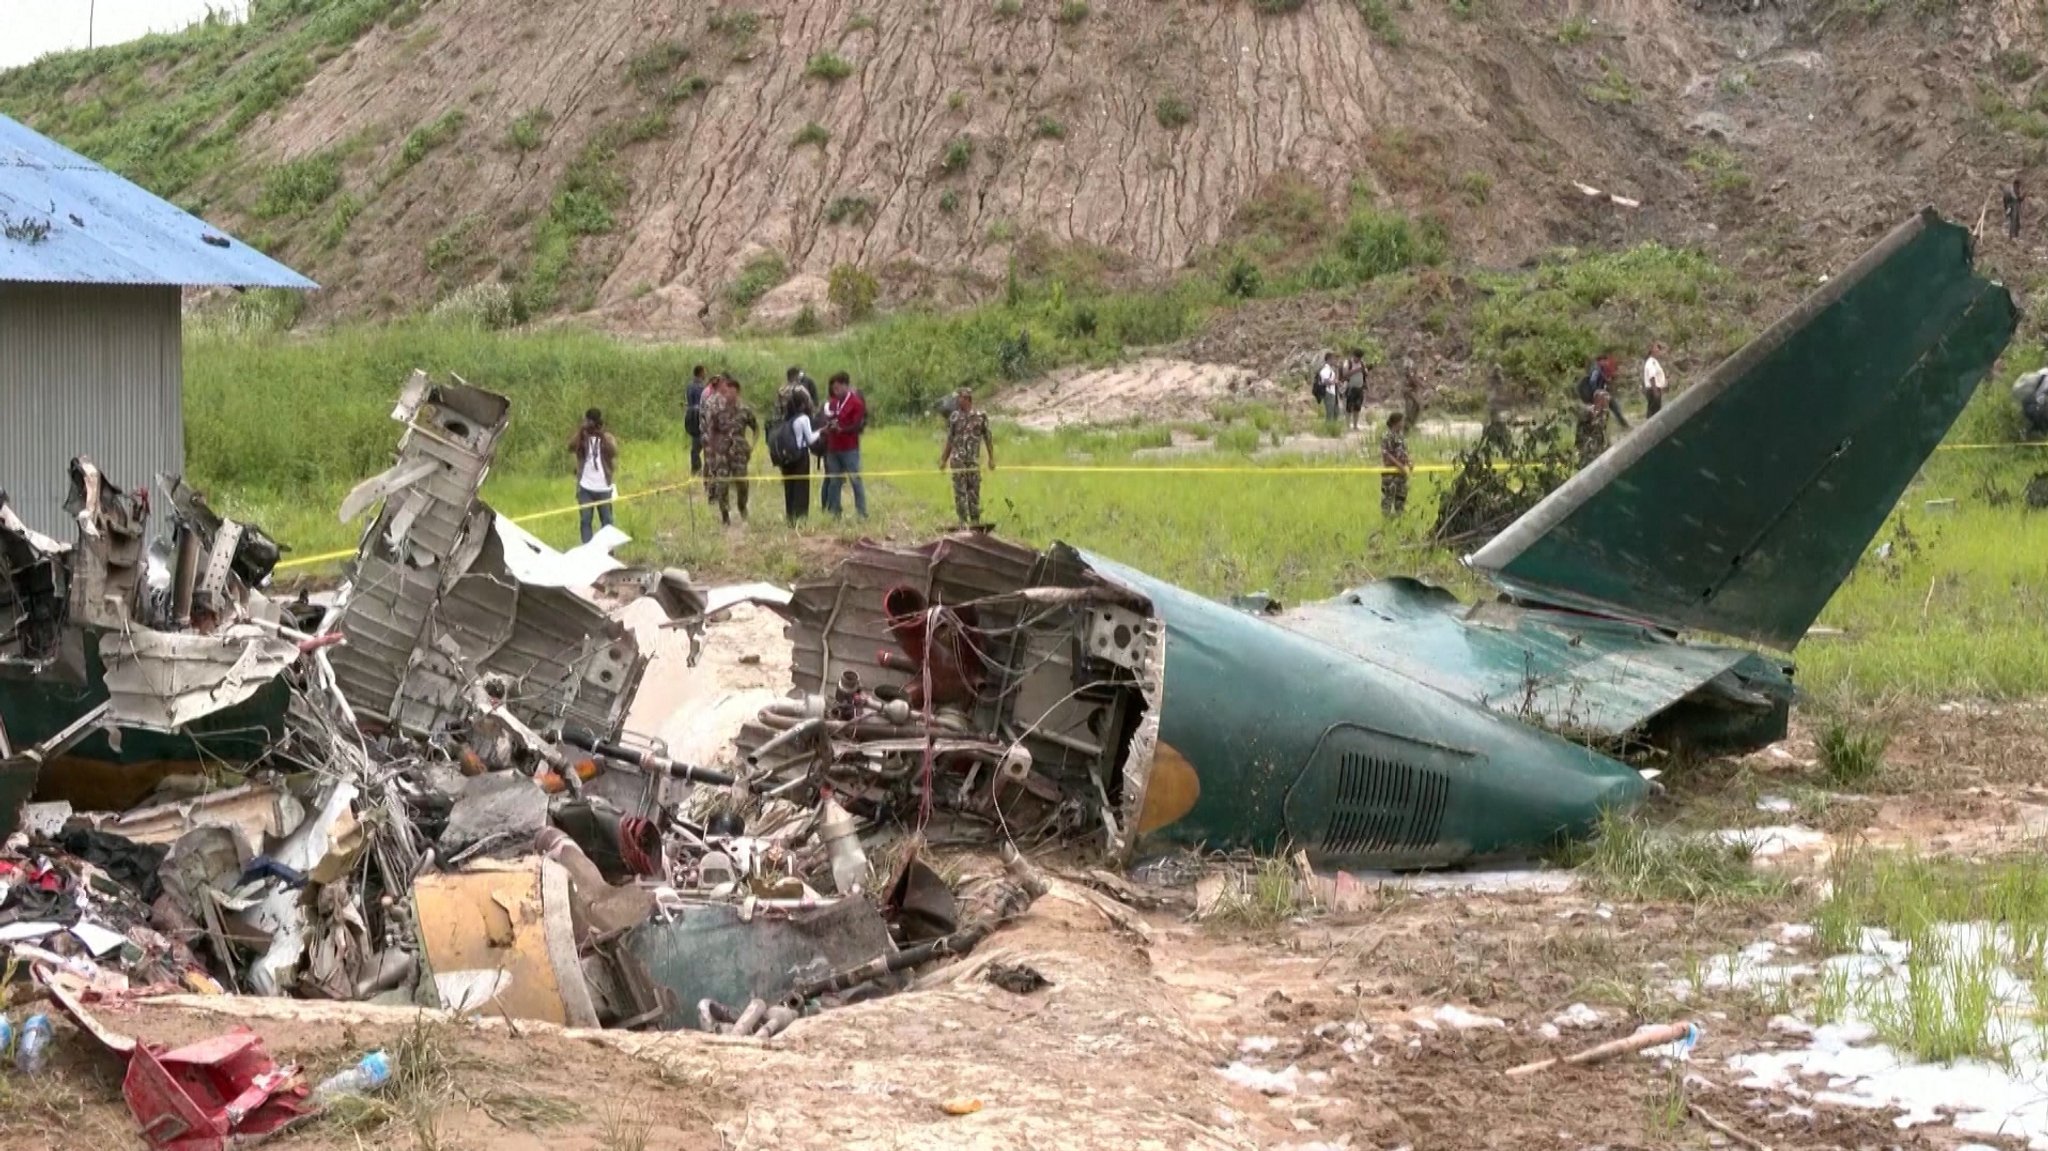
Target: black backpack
782	449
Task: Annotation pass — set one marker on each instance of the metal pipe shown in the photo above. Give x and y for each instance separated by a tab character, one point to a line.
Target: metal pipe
648	760
807	727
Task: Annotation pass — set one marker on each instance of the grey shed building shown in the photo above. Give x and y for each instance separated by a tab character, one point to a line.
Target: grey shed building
92	275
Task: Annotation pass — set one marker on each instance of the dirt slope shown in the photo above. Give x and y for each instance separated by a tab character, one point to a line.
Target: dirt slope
645	158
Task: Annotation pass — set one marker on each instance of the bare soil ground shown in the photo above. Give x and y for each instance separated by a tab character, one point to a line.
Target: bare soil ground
1149	391
1147	1009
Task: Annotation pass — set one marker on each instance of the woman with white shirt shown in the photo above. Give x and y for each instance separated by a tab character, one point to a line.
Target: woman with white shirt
796	475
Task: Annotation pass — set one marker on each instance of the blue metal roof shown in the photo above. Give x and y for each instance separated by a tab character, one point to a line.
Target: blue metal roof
105	230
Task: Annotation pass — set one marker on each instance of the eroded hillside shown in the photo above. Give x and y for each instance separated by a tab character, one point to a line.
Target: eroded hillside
676	165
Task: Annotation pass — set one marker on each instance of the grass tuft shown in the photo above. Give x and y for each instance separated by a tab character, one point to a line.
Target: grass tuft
1850	755
1628	859
1259	898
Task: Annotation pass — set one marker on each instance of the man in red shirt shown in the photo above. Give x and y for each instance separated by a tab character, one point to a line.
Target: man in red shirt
846	417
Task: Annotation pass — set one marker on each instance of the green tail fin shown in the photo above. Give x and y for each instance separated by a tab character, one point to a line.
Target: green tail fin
1743	505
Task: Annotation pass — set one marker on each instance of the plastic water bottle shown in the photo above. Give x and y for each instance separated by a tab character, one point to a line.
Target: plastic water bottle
32	1051
362	1079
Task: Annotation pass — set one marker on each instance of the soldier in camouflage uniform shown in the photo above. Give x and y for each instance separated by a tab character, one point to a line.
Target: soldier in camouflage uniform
966	433
728	448
1592	431
1394	456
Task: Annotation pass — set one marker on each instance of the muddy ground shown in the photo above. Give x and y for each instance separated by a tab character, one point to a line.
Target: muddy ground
1398	1015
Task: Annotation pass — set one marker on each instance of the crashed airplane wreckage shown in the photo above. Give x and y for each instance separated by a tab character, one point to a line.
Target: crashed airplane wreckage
437	800
1059	693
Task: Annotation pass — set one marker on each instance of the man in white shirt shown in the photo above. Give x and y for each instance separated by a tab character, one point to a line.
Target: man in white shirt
597	458
1328	386
1653	380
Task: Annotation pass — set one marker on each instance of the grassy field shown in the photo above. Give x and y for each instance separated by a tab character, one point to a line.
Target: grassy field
1954	608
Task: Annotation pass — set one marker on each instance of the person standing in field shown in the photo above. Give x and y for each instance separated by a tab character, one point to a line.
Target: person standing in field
2015	200
728	447
846	417
1394	457
1354	385
789	445
1328	386
966	434
693	418
1653	380
597	457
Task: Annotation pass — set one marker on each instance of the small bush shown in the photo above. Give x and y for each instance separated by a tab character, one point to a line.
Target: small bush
759	276
861	22
1737	82
346	209
1242	279
524	135
1721	169
1008	9
1172	112
1259	900
850	210
1575	30
487	307
949	201
1048	128
1849	755
956	102
1612	87
2015	67
738	23
428	137
688	88
1277	7
806	322
829	67
298	187
852	292
648	125
811	134
650	70
1072	12
959	154
1380	20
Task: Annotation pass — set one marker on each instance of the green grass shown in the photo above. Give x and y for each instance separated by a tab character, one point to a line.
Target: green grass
1612	87
427	137
812	134
169	110
1258	898
525	131
1072	12
850	210
1172	112
1946	1004
829	67
1850	755
1629	859
297	187
761	274
958	155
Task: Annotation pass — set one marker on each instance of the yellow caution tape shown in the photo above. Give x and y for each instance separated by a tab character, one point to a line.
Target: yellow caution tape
1039	469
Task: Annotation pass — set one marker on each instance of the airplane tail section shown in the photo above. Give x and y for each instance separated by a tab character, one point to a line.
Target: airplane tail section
1742	506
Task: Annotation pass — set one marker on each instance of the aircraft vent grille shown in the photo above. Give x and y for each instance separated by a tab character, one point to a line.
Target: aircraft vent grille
1383	804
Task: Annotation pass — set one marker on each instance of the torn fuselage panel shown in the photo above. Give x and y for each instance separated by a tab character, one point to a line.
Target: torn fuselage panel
437	604
1575	674
985	681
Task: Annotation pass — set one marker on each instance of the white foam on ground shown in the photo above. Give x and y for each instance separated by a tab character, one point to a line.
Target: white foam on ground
1766	842
1263	1081
1845	1065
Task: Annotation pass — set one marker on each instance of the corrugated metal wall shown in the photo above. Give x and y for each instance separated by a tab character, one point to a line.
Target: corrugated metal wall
87	370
